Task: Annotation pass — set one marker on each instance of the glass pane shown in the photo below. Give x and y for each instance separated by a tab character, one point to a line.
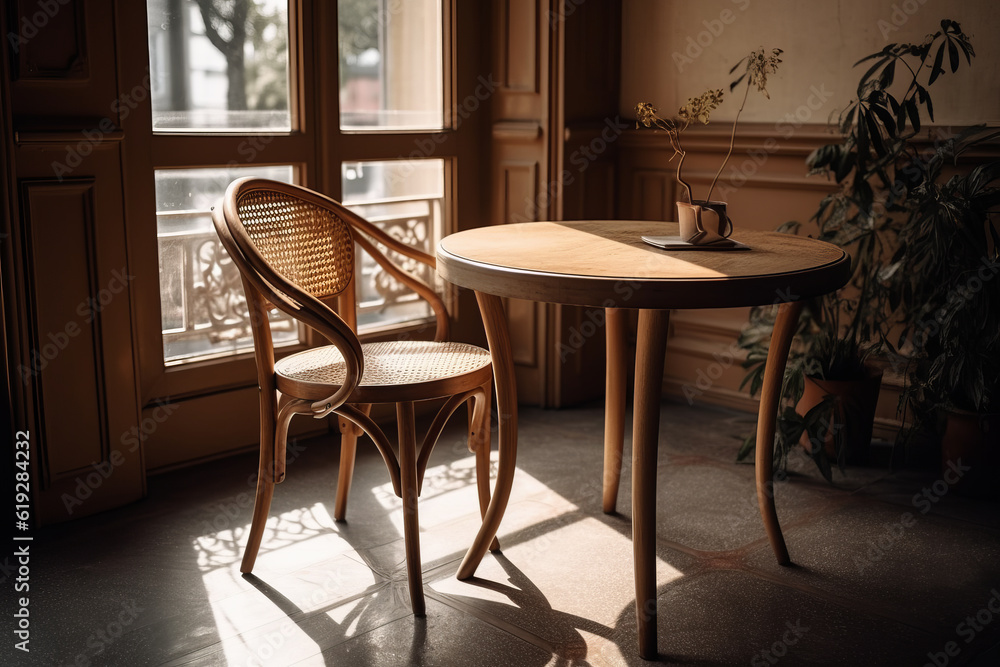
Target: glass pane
391	64
219	65
203	309
406	199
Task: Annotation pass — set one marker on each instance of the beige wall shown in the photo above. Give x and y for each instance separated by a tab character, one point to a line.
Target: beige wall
663	62
765	182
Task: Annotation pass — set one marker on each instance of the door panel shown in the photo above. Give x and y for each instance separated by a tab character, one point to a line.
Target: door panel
520	166
68	308
76	367
64	349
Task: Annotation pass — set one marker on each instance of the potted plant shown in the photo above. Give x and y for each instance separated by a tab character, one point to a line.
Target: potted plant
758	64
883	182
946	271
830	389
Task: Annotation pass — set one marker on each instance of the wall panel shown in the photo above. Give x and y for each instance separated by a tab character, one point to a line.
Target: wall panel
765	184
58	226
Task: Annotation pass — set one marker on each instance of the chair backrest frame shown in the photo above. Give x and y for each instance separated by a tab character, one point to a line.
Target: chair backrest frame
264	285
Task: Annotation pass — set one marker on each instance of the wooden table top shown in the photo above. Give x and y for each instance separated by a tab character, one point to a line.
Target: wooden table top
605	263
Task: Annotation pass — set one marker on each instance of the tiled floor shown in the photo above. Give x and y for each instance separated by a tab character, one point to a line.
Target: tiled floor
876	581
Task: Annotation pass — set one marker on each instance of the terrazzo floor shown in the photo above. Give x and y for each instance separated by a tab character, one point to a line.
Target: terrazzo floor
880	577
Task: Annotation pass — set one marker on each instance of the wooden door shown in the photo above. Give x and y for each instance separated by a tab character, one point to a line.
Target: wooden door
553	138
68	282
88	374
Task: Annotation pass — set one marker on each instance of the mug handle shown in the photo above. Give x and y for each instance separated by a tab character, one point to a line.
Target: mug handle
729	227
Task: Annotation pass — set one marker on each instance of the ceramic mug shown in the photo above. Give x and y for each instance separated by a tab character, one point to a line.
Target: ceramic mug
703	222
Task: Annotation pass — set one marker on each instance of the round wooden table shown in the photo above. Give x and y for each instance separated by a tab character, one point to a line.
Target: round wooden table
604	263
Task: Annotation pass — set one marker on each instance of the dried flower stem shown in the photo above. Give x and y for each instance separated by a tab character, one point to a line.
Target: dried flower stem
759	64
675	143
697	108
732	143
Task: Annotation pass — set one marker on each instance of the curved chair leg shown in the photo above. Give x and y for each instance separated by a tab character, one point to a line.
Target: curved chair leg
406	424
265	489
614	404
770	394
479	443
261	506
349	433
348	450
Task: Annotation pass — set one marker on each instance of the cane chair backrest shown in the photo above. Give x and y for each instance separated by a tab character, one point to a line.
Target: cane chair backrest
302	240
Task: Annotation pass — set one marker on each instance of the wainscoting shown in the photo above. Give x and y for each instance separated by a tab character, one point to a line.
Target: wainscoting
766	184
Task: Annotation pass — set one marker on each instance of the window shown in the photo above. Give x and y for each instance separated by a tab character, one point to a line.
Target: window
392	80
203	309
406	199
210	119
224	105
391	64
217	68
219	65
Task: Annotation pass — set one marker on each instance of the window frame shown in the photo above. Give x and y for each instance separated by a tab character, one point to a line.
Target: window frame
316	148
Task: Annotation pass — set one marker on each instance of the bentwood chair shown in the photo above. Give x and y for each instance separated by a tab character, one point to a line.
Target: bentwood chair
295	250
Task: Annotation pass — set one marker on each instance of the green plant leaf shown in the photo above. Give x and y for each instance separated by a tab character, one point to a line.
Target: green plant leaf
864	141
733	85
893	105
914	114
886	118
967	49
953	56
845	163
936	69
867	75
757	383
847	120
823	463
822	156
749	445
885	80
789	227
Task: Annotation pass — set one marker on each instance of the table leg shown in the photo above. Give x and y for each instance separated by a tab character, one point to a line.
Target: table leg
614	403
770	394
650	353
498	337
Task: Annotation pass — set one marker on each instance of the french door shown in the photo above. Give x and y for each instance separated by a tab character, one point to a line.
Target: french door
374	102
354	98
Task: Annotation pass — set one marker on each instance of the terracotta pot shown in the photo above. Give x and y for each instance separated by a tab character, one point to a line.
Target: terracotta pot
854	411
972	441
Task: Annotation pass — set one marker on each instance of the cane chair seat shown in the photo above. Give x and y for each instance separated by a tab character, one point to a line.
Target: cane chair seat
394	370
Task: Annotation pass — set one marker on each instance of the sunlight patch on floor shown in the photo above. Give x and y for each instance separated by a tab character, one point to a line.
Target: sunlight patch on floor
311	582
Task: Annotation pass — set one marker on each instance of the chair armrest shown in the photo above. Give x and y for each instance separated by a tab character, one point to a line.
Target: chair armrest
300	305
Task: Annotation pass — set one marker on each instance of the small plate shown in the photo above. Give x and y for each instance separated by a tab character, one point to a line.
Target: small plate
677	243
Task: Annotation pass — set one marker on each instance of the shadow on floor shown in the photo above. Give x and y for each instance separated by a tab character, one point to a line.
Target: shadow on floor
878	580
